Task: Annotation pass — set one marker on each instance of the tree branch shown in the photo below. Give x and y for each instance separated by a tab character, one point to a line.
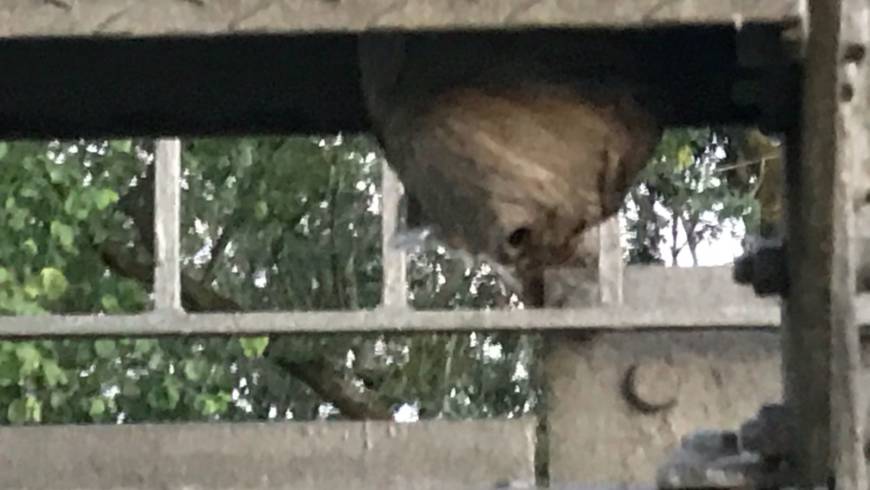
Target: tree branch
353	402
337	277
138	204
217	251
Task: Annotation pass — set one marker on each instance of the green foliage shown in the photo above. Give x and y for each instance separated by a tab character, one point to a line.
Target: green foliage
268	224
254	346
683	193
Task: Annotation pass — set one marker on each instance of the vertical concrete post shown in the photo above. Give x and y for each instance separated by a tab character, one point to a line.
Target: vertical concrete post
167	219
599	280
395	285
821	346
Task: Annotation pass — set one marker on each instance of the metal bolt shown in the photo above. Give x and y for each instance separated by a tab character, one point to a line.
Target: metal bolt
650	387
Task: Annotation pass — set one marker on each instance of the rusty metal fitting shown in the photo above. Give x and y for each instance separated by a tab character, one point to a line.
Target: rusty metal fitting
650	387
763	266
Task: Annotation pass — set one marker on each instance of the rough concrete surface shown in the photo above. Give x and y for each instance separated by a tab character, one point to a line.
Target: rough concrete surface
161	17
299	456
600	435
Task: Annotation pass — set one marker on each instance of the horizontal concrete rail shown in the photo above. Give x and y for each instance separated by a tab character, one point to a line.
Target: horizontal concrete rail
611	318
299	456
25	18
654	298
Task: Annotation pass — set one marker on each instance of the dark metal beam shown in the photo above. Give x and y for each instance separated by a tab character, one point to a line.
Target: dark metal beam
281	84
821	345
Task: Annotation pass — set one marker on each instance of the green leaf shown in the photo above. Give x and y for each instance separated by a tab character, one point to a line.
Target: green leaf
58	399
34	409
64	233
17	411
22	410
105	198
261	210
18	219
144	346
79	204
110	303
29	357
196	369
123	146
106	349
685	157
254	346
84	353
28	192
30	246
97	408
173	391
5	276
209	404
54	284
56	174
33	287
54	375
166	395
71	203
4	149
155	360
